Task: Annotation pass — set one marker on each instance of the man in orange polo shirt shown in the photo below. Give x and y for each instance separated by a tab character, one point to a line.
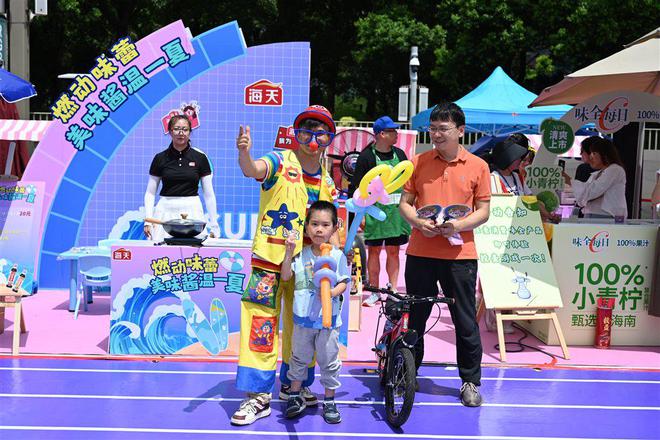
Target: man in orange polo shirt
447	175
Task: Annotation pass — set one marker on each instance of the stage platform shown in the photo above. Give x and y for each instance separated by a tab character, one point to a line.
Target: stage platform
103	399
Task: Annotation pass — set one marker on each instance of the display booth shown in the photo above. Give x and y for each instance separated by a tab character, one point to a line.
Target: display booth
559	284
594	258
89	174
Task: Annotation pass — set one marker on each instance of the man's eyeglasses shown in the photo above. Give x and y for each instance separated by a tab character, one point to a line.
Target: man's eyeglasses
434	130
304	136
180	130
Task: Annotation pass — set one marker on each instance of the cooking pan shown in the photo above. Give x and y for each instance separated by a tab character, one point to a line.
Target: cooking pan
180	227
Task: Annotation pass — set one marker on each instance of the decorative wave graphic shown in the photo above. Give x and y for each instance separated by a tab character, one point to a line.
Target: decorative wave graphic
145	323
130	226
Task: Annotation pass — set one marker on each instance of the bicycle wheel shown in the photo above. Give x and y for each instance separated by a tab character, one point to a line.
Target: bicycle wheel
400	389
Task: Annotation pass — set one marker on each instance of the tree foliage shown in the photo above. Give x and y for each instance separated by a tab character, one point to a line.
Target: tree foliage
382	54
360	48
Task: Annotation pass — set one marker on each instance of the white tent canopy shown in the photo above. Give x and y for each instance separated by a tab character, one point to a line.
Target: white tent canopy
637	68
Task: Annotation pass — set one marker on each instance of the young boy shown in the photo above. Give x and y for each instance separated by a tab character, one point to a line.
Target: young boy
309	336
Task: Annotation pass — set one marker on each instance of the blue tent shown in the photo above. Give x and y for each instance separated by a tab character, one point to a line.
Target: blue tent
499	106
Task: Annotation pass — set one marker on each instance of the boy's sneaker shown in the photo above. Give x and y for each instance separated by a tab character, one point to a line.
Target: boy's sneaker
307	395
295	406
251	409
470	395
330	412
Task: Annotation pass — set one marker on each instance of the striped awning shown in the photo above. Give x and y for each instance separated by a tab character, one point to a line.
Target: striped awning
356	138
20	130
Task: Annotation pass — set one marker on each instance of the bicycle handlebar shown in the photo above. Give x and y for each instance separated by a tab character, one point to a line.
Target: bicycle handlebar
409	299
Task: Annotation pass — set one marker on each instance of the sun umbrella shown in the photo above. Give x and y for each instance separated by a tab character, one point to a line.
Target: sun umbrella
637	68
14	88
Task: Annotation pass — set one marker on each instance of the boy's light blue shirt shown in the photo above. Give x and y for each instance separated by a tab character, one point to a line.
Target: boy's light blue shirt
307	299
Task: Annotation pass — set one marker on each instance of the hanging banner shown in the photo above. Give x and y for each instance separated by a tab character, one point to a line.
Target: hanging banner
609	112
20	234
514	264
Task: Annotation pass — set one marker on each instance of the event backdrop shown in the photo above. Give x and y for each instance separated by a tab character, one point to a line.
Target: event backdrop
95	162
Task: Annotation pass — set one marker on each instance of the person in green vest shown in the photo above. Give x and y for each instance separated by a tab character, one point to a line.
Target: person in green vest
394	231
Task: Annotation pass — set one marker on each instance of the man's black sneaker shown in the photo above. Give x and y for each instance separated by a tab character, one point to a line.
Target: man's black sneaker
470	395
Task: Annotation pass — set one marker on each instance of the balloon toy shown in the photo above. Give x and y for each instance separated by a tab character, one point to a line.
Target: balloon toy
375	186
325	276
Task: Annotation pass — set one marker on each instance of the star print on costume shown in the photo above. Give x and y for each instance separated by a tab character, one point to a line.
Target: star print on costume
282	217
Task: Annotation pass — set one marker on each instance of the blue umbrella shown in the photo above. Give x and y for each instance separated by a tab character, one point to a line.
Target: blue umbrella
14	88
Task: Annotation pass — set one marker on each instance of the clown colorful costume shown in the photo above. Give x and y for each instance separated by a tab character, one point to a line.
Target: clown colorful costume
286	191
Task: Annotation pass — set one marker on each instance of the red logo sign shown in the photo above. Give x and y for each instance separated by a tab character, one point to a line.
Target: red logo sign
122	254
286	138
614	115
264	92
599	242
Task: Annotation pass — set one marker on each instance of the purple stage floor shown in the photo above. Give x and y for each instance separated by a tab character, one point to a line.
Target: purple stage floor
72	398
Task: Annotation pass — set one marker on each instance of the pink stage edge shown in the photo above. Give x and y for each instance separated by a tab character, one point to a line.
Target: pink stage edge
51	330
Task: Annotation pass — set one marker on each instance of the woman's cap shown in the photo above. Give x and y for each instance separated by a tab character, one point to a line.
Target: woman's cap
506	152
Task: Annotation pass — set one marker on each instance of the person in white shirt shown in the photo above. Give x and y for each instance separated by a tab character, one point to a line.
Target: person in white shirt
506	159
604	194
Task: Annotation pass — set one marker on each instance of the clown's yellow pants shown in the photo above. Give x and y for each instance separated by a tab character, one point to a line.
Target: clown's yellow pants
259	342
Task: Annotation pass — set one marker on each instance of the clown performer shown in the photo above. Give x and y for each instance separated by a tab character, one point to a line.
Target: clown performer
290	182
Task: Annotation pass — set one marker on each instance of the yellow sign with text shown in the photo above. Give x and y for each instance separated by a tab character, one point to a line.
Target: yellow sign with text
515	268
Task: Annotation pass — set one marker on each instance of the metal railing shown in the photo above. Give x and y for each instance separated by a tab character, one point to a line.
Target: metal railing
41	116
652	138
423	137
651	134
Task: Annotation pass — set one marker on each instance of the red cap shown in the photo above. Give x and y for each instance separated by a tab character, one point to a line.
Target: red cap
317	112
